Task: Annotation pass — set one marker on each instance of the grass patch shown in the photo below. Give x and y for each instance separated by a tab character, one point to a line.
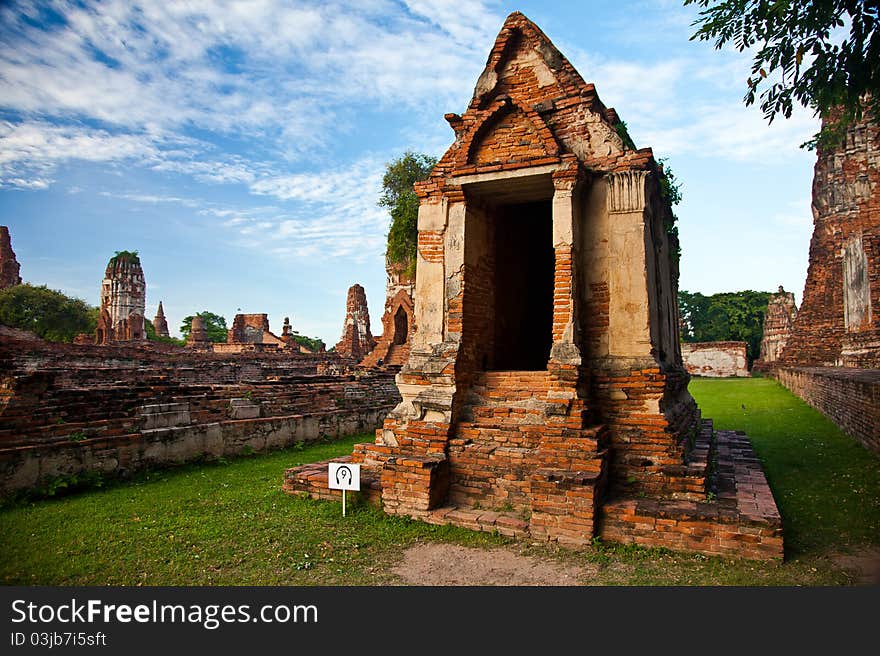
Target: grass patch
223	523
826	484
229	523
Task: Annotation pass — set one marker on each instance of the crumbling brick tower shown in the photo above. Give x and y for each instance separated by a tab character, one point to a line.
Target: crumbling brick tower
546	354
839	320
778	320
544	393
356	340
9	267
123	300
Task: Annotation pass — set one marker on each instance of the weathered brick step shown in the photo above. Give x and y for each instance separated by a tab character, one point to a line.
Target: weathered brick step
55	432
310	480
397	355
468	432
508	524
508	412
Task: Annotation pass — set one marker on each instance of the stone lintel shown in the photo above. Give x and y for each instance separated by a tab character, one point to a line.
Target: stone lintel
531	171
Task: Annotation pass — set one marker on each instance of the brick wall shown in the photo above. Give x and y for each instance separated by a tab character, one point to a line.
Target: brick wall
848	397
67	408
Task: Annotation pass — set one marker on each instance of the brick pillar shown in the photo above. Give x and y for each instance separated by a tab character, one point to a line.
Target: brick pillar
565	349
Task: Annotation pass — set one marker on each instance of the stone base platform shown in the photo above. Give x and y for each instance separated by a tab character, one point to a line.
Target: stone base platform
737	518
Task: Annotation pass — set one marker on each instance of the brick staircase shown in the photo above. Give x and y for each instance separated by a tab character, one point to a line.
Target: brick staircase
526	452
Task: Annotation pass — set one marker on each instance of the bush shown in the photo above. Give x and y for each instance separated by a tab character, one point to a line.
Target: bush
48	313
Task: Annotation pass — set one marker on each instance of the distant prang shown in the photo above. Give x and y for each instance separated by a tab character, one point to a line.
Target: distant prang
123	300
9	267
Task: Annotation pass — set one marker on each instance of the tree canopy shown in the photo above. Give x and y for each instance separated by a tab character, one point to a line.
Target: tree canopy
312	343
822	54
403	205
48	313
150	332
215	325
729	316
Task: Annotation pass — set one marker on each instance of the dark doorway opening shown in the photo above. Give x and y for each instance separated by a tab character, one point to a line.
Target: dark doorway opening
524	275
401	326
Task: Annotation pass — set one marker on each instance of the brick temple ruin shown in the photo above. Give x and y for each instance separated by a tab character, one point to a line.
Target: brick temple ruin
250	332
9	267
831	359
778	323
544	393
123	301
392	347
116	403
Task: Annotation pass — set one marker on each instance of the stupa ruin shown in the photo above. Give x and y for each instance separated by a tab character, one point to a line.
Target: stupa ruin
544	393
160	324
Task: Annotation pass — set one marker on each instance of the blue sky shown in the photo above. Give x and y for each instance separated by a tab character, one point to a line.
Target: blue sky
239	146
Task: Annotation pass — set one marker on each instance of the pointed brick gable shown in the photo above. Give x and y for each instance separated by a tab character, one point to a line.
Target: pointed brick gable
530	108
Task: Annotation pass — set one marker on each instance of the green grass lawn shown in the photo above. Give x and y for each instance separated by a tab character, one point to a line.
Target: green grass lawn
229	523
826	484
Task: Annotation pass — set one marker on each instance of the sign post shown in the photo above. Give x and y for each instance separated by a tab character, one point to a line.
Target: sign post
344	476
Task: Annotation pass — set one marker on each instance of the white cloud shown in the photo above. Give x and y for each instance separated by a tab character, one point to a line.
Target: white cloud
146	74
335	215
151	199
30	151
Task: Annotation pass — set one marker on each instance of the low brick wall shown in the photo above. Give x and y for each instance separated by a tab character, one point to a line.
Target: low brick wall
25	467
715	359
848	397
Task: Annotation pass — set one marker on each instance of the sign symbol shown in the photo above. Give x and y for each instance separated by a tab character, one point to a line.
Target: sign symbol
343	476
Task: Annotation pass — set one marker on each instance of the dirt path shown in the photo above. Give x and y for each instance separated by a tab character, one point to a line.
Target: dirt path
449	564
865	564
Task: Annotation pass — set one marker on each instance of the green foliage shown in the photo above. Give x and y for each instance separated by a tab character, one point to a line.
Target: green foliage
125	256
622	131
312	343
215	325
670	189
48	313
150	331
803	52
403	205
728	316
77	436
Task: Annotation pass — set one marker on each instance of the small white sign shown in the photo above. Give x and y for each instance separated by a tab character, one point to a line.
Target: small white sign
344	476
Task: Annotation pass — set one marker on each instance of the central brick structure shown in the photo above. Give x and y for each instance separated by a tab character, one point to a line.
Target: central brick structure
544	390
